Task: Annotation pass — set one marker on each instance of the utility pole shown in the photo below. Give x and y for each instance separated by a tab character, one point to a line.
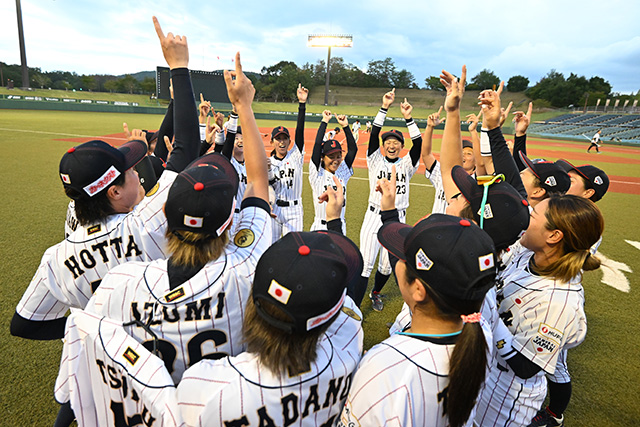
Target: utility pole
23	52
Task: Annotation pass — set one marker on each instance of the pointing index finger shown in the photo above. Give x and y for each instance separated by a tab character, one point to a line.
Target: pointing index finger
238	64
159	32
530	110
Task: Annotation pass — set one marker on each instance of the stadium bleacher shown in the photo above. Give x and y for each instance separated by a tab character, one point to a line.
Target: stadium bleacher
614	127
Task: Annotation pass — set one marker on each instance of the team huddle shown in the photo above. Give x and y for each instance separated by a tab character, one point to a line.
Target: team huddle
197	299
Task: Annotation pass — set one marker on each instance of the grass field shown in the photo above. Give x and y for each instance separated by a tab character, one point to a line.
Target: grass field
605	368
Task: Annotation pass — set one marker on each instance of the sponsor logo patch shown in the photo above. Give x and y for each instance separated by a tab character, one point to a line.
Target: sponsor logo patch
486	262
131	356
488	213
174	295
93	229
550	333
244	238
279	292
551	181
422	261
103	182
598	180
324	318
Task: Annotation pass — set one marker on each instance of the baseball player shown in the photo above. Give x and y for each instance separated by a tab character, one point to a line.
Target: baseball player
304	339
355	130
286	165
326	162
331	134
595	142
432	166
431	373
110	379
541	306
379	165
192	301
116	225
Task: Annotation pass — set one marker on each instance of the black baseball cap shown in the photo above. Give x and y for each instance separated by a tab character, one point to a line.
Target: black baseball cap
279	130
595	178
506	213
92	167
467	144
393	134
455	257
330	146
239	130
202	197
306	275
552	177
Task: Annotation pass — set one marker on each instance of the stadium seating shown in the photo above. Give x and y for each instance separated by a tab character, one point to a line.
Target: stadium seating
614	127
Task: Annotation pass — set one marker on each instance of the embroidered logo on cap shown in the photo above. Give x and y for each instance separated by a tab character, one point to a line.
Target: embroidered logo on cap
488	213
486	262
279	292
103	182
422	261
550	181
193	221
598	180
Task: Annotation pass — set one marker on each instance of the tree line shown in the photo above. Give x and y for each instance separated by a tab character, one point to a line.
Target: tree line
278	82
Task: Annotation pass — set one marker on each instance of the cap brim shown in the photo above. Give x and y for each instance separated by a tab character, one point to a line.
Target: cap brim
392	237
567	167
352	257
465	183
528	163
280	133
134	151
219	161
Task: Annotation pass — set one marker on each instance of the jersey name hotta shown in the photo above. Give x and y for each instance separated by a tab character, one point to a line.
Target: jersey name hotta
290	405
89	259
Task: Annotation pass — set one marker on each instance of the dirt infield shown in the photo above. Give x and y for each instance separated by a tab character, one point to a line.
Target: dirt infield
553	150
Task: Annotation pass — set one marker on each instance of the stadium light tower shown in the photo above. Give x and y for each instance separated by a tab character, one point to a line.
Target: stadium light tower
329	41
23	52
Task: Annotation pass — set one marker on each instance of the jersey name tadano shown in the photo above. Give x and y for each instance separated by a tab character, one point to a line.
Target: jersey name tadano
338	388
99	253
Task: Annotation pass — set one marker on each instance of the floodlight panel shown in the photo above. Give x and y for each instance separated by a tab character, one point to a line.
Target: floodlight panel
329	40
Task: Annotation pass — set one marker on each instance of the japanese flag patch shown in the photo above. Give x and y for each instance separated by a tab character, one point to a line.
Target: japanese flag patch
550	181
65	178
422	261
193	221
485	262
279	292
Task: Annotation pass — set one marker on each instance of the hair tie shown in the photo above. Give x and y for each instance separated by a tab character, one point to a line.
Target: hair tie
471	318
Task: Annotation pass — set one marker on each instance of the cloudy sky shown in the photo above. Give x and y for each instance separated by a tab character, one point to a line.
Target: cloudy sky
525	37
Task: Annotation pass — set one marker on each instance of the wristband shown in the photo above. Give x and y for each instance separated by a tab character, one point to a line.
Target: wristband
379	120
485	145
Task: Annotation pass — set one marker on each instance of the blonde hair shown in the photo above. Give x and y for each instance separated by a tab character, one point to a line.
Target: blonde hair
278	350
582	224
195	249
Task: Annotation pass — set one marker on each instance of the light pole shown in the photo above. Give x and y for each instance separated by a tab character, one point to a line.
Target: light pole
329	41
23	52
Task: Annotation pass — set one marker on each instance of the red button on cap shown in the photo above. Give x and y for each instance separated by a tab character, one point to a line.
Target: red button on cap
198	186
71	150
465	223
304	250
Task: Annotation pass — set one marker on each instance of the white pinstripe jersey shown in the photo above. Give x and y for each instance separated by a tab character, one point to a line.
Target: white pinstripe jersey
239	389
288	172
320	179
241	169
400	382
203	316
439	200
111	379
545	316
70	271
380	167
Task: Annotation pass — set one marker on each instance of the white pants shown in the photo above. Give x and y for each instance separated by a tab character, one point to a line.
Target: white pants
369	244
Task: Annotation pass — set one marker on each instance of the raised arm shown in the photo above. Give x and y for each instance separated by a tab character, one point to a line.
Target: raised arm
378	122
166	129
451	151
302	93
502	158
472	120
185	119
414	132
230	139
352	147
241	92
522	121
316	155
427	140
